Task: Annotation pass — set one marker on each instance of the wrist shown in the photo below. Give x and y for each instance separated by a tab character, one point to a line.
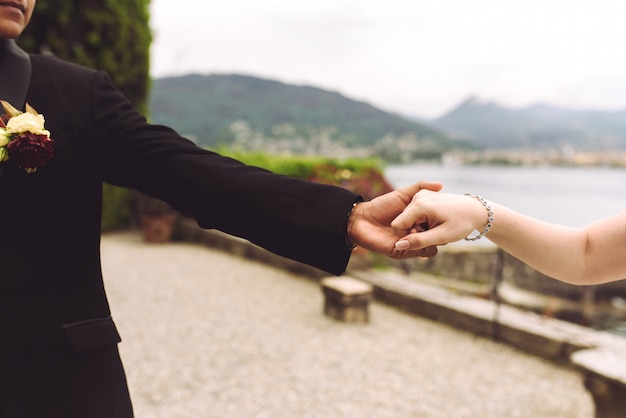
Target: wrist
484	217
352	217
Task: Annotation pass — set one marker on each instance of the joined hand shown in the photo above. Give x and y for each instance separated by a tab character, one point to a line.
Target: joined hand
370	224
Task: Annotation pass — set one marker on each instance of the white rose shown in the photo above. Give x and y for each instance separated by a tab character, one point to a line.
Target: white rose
27	122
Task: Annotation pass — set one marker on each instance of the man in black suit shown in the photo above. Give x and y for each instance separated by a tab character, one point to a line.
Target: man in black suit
58	351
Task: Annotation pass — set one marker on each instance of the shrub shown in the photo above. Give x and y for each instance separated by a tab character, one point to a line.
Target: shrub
362	176
117	204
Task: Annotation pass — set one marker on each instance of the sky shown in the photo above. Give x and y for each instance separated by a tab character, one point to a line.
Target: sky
415	57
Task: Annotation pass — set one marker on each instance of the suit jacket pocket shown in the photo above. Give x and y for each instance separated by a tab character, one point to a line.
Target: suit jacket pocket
91	334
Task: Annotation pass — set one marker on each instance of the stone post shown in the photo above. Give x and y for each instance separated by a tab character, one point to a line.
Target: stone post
604	375
347	299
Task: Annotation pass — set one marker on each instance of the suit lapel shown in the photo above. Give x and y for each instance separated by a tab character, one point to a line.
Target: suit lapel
15	73
15	77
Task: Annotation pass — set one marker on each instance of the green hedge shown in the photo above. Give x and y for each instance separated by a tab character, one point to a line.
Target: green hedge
298	166
362	176
117	208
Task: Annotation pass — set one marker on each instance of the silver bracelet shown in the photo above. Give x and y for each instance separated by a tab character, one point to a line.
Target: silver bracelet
489	218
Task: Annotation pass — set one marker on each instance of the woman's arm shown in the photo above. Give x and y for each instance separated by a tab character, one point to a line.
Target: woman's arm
590	255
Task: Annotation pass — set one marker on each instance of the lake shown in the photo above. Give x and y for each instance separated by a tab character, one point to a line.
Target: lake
568	196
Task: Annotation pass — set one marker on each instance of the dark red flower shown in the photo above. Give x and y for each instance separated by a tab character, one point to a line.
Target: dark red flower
30	151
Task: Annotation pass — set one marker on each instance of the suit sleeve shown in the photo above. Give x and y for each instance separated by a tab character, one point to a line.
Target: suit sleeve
300	220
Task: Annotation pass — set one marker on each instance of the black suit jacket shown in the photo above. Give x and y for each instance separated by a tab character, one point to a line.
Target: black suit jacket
58	353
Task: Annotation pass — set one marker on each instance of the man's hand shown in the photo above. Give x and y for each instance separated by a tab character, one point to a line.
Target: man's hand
369	225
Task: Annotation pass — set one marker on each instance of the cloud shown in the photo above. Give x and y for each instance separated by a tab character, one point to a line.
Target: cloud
406	55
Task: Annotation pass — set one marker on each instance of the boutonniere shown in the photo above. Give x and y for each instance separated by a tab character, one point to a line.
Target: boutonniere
23	138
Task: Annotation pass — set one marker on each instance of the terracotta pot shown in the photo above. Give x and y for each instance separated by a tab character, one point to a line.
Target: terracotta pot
157	228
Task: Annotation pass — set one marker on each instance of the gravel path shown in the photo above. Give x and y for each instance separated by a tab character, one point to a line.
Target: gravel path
209	335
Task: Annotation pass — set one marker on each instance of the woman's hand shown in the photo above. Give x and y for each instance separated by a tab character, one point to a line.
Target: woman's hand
438	219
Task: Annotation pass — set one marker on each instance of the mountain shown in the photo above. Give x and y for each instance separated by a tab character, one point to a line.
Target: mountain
497	127
223	108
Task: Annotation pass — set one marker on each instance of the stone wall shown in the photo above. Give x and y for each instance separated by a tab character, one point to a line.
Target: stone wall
474	264
484	265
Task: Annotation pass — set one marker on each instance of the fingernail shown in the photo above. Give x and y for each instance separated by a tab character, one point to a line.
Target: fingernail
403	245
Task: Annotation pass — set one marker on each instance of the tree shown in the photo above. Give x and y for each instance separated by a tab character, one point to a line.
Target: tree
111	35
